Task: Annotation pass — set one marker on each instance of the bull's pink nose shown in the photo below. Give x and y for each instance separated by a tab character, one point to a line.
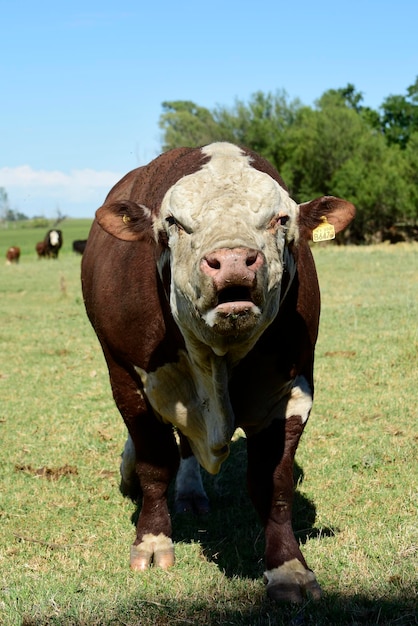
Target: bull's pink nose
227	265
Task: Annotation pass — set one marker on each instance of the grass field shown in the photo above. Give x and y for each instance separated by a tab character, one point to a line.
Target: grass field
66	530
24	235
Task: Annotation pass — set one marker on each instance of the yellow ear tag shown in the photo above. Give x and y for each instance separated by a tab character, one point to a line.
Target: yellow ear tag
126	219
324	232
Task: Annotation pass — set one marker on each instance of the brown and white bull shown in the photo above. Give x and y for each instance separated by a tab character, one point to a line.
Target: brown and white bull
12	255
51	245
199	282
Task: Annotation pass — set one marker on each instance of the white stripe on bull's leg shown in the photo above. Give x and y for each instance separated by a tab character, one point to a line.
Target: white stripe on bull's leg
129	484
300	399
271	455
190	495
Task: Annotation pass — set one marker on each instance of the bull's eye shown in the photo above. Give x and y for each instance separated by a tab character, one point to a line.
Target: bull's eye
171	220
180	228
279	220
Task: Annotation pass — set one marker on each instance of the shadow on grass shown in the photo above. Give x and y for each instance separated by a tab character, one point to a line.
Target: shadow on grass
232	537
231	534
333	610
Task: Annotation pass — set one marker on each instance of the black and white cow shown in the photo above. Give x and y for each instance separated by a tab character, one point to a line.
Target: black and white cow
51	245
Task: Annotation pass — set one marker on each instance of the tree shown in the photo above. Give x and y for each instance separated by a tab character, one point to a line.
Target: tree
15	216
261	125
6	213
60	217
373	179
319	142
4	204
349	95
399	117
338	147
186	124
411	175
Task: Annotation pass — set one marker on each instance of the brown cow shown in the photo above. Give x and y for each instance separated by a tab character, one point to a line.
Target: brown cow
199	282
12	255
40	249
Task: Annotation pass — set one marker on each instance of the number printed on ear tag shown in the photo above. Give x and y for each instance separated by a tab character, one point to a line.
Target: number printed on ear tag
324	232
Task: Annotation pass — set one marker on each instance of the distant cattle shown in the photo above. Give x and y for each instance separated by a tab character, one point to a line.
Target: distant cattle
199	281
79	245
40	249
51	245
12	255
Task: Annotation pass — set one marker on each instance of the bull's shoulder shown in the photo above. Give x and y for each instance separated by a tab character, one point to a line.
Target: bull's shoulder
125	300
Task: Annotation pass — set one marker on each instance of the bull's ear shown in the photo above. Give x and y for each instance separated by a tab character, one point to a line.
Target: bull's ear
329	209
125	220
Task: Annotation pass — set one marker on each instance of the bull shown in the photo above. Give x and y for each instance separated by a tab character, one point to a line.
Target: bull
51	245
199	282
12	255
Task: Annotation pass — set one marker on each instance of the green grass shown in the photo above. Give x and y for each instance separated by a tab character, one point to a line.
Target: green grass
66	530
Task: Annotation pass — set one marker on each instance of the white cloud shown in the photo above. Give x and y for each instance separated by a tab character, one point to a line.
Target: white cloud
78	192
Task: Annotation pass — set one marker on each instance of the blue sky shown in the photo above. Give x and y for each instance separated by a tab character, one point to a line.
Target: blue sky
82	82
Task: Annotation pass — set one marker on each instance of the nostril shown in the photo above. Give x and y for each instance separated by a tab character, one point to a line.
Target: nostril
231	262
213	262
251	259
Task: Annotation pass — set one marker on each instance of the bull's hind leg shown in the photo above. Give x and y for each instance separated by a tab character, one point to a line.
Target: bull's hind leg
129	481
270	483
149	463
190	495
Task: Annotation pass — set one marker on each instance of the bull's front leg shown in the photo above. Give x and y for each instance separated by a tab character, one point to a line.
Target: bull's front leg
149	463
155	462
270	482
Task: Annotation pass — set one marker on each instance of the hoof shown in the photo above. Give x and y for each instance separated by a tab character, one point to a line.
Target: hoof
157	550
292	582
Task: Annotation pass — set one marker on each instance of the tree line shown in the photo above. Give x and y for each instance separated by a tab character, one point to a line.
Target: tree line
338	147
9	215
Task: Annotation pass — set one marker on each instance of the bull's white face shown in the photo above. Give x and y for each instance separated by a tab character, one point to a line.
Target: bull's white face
227	226
53	238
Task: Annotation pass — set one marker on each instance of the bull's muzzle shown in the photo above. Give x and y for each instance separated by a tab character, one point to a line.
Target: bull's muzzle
233	272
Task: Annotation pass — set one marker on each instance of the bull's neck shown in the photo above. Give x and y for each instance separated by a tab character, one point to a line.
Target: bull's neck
207	359
215	373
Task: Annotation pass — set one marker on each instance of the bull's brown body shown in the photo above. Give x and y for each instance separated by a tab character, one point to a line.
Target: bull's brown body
12	255
251	371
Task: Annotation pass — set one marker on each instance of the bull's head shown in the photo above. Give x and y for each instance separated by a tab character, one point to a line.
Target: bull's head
227	227
225	231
